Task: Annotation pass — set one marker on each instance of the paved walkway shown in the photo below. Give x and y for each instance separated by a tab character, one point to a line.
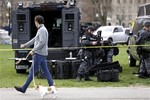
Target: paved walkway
108	93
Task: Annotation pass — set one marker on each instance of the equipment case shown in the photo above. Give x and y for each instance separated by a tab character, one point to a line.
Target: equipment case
108	75
63	69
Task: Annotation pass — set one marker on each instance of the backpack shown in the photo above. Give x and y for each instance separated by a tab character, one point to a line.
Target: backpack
146	42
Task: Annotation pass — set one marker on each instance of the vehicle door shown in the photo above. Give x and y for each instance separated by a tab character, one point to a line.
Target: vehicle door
118	35
70	30
20	29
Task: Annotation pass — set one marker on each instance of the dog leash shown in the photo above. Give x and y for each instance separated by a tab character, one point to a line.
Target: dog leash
32	66
33	73
22	59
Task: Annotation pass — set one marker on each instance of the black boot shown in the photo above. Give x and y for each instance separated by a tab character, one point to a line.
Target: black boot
87	78
79	77
141	75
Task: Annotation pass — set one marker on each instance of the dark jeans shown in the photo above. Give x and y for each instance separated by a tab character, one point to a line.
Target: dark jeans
38	61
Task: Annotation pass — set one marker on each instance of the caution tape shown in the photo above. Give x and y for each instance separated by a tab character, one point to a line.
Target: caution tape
71	48
13	49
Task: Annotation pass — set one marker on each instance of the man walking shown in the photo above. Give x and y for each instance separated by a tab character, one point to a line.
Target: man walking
39	52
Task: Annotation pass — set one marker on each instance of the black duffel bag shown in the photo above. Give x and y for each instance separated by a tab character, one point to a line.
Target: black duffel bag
106	66
111	75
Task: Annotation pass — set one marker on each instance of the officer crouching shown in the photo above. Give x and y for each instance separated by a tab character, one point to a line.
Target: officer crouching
88	39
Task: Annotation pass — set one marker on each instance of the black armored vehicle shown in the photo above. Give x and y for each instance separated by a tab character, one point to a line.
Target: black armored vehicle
63	26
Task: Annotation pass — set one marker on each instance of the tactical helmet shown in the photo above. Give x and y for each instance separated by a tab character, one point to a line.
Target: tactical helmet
90	28
146	23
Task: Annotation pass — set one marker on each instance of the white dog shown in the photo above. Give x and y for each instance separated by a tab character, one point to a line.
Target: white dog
46	90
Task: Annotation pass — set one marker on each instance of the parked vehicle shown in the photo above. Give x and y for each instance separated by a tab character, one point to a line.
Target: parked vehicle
113	33
4	37
143	14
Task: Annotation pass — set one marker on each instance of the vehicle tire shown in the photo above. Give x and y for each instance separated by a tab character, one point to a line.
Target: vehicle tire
110	39
132	61
20	71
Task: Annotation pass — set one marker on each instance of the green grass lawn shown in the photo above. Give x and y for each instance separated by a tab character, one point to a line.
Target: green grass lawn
9	77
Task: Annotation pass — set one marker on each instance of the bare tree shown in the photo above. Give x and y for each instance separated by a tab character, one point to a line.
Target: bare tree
121	15
101	8
4	12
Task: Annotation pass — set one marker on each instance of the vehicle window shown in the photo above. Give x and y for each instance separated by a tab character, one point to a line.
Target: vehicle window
118	29
147	9
141	11
109	29
138	25
127	31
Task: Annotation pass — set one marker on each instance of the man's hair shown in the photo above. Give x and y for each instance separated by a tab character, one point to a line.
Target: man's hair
39	19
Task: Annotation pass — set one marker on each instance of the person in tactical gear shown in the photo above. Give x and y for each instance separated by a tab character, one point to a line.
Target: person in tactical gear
109	52
143	36
88	39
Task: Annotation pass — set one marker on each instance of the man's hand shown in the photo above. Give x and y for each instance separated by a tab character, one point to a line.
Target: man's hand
22	46
31	52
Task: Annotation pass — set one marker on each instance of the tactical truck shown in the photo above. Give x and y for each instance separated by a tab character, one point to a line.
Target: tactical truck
63	26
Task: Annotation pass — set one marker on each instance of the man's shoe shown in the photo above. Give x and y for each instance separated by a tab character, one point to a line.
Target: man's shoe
79	78
19	89
142	76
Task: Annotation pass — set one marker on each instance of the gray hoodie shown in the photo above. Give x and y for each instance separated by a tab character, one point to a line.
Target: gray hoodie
40	41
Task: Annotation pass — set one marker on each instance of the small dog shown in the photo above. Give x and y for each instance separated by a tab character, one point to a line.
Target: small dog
46	90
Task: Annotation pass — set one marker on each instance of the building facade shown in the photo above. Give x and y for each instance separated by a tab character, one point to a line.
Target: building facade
123	11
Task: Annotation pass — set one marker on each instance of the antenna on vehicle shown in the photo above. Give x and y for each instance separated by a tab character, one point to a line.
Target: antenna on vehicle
67	3
20	4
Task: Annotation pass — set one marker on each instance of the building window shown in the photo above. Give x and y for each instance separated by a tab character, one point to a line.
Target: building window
130	9
144	1
110	0
131	1
124	1
124	9
118	1
139	1
117	16
117	23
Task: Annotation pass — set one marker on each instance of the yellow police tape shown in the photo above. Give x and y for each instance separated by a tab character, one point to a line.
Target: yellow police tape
70	48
